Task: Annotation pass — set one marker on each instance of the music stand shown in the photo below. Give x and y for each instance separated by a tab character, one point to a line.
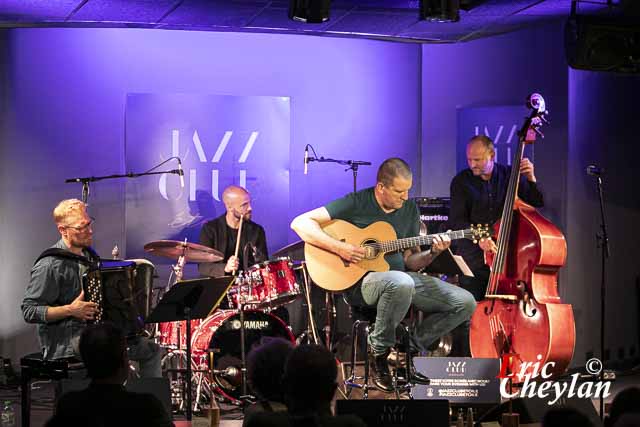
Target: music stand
187	300
446	263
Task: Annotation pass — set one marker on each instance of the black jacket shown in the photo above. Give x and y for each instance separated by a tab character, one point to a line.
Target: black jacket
475	201
214	235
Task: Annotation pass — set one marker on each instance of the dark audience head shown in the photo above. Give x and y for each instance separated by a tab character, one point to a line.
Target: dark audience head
625	402
310	379
103	349
265	367
565	416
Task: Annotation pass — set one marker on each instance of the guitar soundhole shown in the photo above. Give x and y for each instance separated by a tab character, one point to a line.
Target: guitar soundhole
371	252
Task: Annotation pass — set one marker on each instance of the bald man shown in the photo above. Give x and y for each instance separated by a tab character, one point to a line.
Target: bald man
222	234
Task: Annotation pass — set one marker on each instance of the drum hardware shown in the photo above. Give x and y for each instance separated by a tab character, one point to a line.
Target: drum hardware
184	252
311	324
219	334
191	299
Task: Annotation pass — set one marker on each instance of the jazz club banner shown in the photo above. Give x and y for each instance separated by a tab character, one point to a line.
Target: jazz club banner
501	124
221	140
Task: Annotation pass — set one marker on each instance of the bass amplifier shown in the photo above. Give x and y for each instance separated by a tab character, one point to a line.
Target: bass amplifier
434	212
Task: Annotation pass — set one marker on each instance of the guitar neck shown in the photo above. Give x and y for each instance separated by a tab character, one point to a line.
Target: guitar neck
411	242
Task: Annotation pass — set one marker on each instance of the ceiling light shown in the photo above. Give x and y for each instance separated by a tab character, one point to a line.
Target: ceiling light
311	11
440	10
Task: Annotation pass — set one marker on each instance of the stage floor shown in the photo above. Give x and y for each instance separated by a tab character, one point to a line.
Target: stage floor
231	416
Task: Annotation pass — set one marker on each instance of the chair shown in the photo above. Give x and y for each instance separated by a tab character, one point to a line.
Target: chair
363	323
33	367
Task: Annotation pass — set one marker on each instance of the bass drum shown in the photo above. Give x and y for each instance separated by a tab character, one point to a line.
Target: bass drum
220	334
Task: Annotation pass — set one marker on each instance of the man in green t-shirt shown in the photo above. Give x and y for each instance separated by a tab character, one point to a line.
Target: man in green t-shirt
391	292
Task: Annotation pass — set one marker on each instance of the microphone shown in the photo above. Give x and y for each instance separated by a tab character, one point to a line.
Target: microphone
594	170
180	172
306	159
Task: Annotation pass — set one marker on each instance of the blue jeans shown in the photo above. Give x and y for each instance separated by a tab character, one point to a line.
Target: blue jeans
392	292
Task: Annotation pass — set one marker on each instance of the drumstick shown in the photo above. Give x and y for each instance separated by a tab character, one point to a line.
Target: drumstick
233	273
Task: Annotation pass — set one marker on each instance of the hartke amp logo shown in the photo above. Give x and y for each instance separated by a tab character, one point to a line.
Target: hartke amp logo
191	175
456	368
434	217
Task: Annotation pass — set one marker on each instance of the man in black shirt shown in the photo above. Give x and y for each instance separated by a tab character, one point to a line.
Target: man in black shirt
477	197
222	234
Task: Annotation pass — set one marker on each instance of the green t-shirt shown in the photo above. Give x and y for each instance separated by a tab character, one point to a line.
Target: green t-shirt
361	209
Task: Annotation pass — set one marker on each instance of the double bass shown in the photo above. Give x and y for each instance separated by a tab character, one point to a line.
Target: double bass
522	315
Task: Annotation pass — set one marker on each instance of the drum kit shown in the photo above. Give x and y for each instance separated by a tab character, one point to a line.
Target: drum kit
219	342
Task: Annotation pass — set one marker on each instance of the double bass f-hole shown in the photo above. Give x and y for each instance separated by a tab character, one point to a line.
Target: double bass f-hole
489	310
527	306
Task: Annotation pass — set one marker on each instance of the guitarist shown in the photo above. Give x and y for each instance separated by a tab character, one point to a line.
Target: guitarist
391	292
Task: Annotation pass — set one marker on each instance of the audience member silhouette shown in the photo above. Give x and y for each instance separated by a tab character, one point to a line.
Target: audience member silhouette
626	404
265	368
106	402
309	387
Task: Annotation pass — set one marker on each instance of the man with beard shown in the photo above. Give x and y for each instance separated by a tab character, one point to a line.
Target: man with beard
477	197
54	298
222	234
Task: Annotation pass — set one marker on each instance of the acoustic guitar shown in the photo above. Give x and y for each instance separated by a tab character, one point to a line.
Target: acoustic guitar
333	273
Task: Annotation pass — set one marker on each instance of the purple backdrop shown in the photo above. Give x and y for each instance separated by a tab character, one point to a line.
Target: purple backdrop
222	140
499	123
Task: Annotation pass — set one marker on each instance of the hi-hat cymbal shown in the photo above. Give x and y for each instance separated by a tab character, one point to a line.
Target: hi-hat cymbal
193	252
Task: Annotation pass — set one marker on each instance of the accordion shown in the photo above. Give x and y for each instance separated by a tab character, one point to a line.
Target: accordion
121	290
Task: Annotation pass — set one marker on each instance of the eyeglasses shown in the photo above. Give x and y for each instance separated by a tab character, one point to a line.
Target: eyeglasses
83	228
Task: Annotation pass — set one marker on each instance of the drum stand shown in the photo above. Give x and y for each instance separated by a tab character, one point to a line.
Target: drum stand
310	332
244	397
191	299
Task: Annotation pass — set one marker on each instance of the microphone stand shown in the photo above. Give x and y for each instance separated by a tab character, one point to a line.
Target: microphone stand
329	300
86	180
353	166
603	243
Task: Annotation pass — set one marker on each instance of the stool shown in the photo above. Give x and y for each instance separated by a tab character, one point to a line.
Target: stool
33	367
364	321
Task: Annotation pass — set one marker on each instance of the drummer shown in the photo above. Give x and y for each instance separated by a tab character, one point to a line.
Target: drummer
222	234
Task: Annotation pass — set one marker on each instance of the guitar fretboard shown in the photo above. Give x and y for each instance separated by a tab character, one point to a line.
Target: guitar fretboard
410	242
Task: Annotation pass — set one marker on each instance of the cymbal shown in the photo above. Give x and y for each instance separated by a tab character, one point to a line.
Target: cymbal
294	250
193	252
